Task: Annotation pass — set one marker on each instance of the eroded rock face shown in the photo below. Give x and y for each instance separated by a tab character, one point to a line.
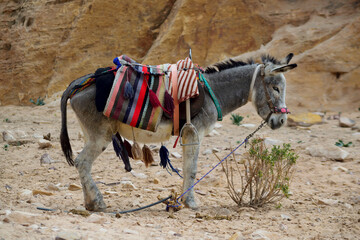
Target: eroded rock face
45	44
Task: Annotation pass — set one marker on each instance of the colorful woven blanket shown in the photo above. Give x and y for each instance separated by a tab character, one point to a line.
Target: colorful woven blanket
135	109
135	87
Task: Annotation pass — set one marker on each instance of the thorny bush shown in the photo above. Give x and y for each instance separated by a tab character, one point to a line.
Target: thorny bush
263	176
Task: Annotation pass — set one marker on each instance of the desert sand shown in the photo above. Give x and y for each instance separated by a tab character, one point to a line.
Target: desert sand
324	204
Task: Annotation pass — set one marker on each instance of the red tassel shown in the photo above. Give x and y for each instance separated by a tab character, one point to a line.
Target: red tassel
154	99
169	104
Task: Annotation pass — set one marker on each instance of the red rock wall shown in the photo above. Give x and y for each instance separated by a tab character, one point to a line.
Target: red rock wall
45	44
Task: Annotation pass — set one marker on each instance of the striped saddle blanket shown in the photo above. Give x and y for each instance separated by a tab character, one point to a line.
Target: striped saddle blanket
130	96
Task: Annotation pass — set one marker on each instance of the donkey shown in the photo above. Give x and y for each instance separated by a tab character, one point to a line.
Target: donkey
233	82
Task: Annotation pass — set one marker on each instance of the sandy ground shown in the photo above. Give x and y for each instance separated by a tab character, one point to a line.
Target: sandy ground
325	200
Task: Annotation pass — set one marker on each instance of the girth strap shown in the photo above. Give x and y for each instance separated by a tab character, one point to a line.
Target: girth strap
212	95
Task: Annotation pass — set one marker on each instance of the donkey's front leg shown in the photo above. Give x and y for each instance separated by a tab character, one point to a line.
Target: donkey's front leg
92	196
190	157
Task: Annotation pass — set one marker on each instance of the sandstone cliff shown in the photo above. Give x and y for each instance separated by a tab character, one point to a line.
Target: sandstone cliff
45	44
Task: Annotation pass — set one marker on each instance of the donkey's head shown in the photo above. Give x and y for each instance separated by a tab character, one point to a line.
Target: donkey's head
268	94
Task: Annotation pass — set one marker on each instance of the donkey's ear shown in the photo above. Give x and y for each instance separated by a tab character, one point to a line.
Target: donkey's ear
287	59
283	69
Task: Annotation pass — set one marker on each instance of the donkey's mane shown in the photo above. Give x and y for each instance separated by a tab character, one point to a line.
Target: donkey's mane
231	63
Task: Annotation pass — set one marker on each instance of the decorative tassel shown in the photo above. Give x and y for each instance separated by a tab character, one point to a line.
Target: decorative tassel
127	146
148	156
129	91
164	156
165	161
121	151
169	104
154	100
136	151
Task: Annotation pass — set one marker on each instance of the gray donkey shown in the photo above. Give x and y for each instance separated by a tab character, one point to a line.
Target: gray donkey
233	82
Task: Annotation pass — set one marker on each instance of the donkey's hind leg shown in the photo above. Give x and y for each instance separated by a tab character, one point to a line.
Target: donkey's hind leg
92	196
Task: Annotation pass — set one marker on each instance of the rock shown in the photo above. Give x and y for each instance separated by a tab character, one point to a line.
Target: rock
283	227
64	235
74	187
176	155
108	192
304	119
213	133
23	218
26	192
128	185
95	218
138	175
218	125
215	150
156	181
8	136
43	143
40	192
272	142
285	217
326	201
46	159
336	168
329	152
129	231
346	122
207	152
264	235
52	187
248	125
237	236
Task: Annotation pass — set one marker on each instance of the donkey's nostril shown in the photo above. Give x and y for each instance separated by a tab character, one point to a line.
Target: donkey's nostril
282	121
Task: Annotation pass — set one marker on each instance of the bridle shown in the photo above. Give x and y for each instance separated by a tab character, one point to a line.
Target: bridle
273	109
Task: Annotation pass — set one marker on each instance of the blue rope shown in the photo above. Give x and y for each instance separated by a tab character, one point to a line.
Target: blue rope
177	200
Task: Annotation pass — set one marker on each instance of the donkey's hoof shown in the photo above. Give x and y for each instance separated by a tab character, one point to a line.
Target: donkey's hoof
96	206
190	203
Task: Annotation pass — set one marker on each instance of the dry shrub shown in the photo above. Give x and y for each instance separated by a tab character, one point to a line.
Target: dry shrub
262	177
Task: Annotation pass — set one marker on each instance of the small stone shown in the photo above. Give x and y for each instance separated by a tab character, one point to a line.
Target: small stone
138	175
200	192
108	192
272	142
283	227
68	236
46	159
218	125
6	220
215	150
176	155
264	235
285	217
156	181
237	236
23	218
8	136
329	152
346	122
304	119
127	185
248	125
74	187
44	143
326	201
52	187
26	192
40	192
348	206
95	218
207	152
336	168
129	231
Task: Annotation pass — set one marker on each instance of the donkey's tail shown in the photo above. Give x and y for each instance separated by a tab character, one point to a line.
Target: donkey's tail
64	136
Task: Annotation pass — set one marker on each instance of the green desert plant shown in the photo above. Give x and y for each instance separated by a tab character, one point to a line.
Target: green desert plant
340	143
236	119
262	177
39	101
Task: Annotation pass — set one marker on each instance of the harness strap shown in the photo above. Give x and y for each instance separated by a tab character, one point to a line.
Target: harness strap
253	81
212	95
174	80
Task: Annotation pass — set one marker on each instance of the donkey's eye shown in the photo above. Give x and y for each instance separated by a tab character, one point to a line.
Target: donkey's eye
276	89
